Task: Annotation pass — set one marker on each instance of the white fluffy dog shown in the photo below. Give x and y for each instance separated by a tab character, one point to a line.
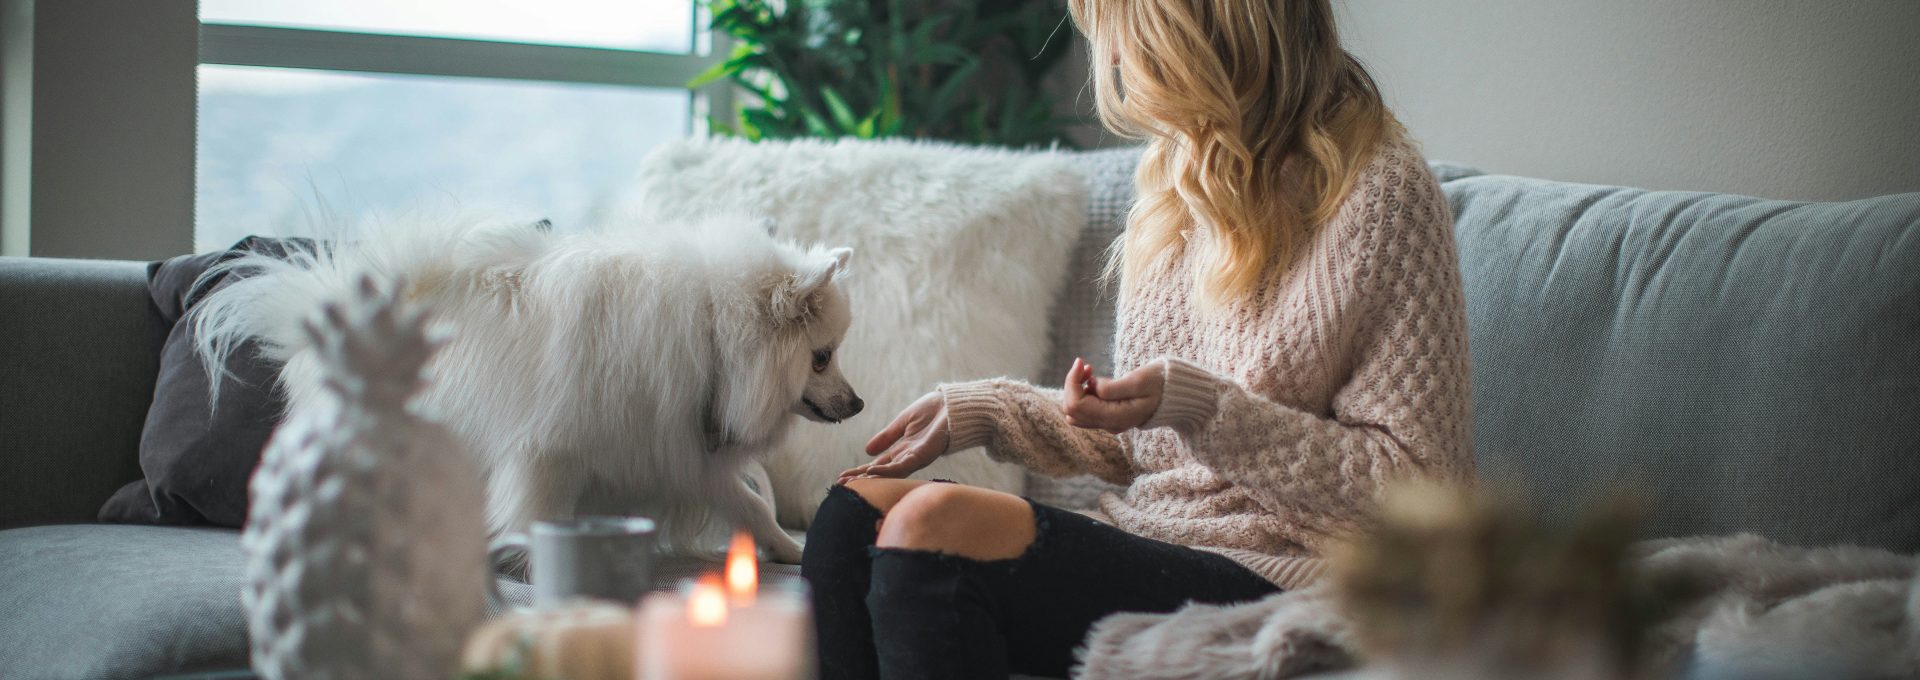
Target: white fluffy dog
604	372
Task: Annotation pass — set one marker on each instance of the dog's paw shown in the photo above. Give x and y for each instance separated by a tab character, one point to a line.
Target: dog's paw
784	550
513	562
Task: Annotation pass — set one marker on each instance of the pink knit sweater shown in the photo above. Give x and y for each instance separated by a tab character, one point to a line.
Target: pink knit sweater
1284	415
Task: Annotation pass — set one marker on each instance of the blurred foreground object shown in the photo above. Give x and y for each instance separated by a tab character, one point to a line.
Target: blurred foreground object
1454	583
585	641
365	547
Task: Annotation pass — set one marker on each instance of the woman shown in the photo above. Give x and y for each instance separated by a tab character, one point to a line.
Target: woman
1291	337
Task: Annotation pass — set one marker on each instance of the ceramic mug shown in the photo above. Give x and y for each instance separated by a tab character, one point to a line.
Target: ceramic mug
603	558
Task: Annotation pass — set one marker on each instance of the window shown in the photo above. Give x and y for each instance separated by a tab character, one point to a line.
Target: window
321	114
648	25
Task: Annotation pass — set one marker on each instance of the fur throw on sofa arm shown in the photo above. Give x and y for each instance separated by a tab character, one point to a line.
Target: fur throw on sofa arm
1767	608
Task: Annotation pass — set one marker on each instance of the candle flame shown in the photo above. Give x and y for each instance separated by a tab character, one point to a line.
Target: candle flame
707	605
743	576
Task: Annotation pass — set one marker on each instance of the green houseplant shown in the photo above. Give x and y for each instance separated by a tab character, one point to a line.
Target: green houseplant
956	70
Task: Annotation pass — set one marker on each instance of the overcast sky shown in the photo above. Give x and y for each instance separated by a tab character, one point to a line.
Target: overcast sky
654	25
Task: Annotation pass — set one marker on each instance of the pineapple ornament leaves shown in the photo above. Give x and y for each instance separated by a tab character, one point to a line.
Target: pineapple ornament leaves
380	365
364	544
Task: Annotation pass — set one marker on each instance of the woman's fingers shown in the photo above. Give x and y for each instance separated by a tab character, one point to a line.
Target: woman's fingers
1123	388
1076	383
1112	416
1086	402
853	473
898	467
1112	404
1092	413
911	420
884	439
1078	387
899	461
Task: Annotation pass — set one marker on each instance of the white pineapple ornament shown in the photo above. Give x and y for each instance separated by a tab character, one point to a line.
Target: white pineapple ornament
365	539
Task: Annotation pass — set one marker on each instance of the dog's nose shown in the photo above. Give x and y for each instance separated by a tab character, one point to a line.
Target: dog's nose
855	407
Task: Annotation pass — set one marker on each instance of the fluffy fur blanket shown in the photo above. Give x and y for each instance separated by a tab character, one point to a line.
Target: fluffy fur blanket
1770	611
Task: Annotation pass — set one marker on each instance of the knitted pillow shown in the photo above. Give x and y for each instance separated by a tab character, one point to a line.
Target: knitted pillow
1083	321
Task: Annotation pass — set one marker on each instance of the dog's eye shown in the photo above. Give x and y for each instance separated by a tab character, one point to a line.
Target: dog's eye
821	357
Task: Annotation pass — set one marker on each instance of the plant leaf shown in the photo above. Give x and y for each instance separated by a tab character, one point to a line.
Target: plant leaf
842	114
713	73
944	96
816	125
889	68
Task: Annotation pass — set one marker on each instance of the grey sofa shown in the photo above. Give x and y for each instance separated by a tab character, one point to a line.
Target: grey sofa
1744	365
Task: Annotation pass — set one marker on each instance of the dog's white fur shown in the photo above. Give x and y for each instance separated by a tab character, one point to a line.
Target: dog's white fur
613	371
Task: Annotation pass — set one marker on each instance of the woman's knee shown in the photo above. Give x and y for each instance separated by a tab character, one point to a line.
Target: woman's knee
883	492
961	520
849	518
844	527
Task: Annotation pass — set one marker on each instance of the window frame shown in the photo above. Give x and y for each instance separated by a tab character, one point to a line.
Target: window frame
229	44
98	117
323	49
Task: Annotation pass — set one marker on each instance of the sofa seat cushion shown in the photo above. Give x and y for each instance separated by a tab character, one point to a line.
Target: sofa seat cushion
1742	364
128	601
77	364
101	601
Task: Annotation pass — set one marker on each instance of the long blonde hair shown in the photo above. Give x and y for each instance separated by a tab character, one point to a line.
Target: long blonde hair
1229	93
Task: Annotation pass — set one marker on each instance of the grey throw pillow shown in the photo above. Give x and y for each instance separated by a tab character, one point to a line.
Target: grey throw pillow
196	456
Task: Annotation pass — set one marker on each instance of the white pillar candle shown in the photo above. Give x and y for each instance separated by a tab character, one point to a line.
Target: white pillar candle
707	631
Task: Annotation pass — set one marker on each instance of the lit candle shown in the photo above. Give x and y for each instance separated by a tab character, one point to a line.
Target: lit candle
743	575
706	607
732	630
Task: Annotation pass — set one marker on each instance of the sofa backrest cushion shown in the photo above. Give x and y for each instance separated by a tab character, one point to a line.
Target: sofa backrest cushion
1742	364
1083	320
1083	313
79	344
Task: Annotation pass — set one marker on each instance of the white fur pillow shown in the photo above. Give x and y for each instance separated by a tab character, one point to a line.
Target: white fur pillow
959	253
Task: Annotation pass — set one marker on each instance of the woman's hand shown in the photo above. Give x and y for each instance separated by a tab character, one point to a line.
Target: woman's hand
914	439
1113	404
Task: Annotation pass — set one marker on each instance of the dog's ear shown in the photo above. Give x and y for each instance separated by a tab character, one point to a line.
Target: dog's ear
794	299
840	257
505	281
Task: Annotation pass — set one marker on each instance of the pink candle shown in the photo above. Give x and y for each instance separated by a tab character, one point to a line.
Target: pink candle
705	632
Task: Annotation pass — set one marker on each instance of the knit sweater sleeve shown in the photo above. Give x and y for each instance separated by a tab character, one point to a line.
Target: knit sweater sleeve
1402	412
1020	423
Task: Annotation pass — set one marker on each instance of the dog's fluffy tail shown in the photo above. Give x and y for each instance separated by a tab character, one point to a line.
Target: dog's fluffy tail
265	301
267	297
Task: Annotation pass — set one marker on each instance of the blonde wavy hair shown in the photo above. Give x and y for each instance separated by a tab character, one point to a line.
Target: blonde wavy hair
1258	124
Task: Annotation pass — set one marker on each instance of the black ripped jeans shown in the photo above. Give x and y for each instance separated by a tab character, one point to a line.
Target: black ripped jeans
893	613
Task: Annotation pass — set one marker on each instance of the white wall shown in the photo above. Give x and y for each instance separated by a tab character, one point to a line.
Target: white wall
1780	98
112	111
16	124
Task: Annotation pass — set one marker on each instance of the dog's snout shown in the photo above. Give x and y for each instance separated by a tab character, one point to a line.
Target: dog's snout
854	407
